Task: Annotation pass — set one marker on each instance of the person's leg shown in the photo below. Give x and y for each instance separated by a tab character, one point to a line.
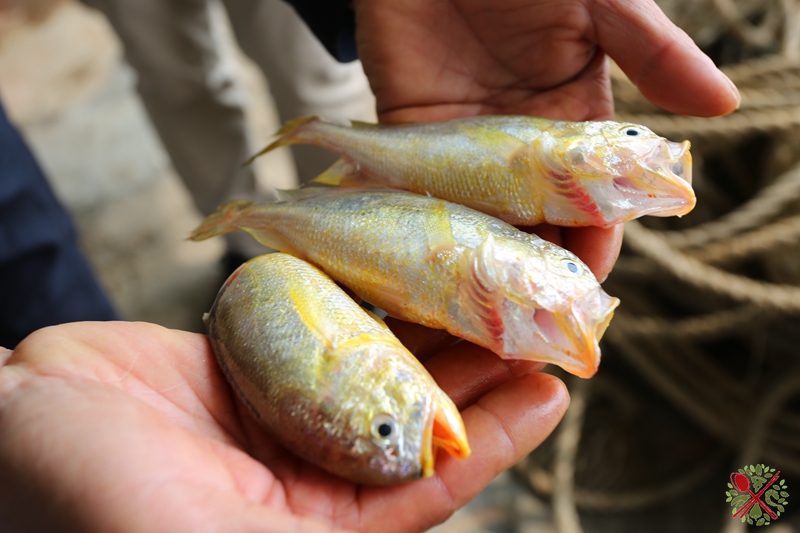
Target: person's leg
303	78
44	278
189	86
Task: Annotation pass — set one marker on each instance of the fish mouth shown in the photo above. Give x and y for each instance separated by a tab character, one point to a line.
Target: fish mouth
571	340
445	429
664	187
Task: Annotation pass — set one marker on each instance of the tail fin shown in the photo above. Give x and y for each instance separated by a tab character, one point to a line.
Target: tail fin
222	221
286	135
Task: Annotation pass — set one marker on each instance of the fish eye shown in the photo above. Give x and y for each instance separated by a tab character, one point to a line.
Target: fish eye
572	266
384	428
632	132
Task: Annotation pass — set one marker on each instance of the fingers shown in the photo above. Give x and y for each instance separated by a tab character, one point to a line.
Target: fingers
546	231
586	97
173	371
597	247
669	69
504	426
421	341
467	372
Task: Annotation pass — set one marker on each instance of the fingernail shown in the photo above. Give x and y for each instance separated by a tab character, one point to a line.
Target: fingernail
735	91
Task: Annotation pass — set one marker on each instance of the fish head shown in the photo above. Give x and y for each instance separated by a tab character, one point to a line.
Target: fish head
621	172
401	418
539	302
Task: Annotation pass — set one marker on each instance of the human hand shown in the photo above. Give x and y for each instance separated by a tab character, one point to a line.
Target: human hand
430	60
131	427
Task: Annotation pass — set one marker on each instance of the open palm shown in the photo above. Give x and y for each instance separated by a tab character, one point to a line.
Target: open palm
131	427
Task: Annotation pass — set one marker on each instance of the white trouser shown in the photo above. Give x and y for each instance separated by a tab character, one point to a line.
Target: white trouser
188	83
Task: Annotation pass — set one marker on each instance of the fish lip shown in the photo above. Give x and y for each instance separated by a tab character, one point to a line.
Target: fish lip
594	313
443	429
427	458
671	164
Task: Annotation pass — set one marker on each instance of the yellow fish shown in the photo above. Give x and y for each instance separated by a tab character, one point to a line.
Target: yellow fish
441	265
333	384
523	170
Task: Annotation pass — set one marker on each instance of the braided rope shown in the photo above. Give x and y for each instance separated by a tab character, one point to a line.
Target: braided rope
669	350
765	239
705	327
719	129
650	244
768	203
759	36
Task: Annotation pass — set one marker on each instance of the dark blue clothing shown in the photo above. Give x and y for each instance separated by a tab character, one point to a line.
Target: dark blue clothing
44	278
333	22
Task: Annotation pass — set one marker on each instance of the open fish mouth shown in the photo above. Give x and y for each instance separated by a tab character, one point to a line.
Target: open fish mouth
663	187
570	340
680	161
444	429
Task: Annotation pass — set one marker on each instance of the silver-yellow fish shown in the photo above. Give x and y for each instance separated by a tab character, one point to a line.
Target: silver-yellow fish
333	384
523	170
441	265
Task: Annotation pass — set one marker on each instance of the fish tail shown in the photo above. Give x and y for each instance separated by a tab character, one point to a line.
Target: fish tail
224	220
288	134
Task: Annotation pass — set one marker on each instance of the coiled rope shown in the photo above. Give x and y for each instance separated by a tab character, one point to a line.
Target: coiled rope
683	290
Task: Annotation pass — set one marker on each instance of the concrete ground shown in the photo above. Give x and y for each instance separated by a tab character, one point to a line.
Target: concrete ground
66	87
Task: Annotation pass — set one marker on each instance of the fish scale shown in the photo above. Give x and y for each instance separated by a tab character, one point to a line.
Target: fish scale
509	166
439	264
320	374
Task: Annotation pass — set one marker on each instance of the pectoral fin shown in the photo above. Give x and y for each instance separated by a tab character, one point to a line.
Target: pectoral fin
439	231
497	143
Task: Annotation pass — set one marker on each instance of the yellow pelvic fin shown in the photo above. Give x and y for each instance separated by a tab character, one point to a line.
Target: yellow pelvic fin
286	135
376	318
360	124
293	195
224	220
344	174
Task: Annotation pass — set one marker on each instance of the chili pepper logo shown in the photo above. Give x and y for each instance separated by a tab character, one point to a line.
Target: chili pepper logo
757	494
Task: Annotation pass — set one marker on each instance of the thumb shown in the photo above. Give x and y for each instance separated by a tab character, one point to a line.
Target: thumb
664	62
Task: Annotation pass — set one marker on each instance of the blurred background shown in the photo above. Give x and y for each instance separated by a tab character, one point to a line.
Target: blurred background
701	365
